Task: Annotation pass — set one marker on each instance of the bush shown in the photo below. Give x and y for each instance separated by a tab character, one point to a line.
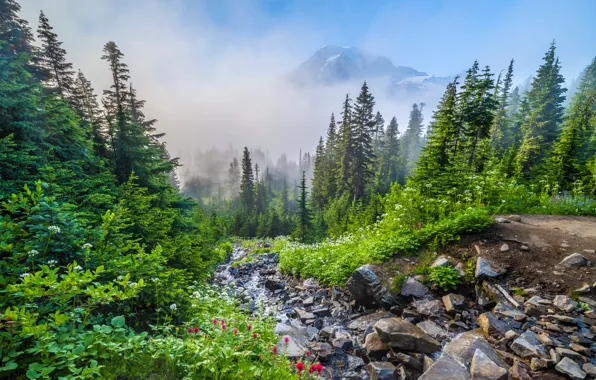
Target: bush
445	277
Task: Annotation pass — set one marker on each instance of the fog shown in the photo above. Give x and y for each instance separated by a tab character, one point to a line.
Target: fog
213	84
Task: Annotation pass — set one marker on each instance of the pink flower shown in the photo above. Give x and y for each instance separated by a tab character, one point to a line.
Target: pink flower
215	321
196	330
319	367
224	327
235	331
255	335
190	329
223	321
274	350
249	327
286	339
299	367
307	352
312	368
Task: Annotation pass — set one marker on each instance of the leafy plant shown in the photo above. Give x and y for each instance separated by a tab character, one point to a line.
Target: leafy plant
444	277
398	282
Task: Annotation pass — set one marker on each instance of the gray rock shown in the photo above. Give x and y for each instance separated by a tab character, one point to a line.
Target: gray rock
509	311
375	348
441	261
382	371
492	326
524	248
310	283
484	269
536	306
453	302
403	335
414	288
361	323
304	315
366	288
327	332
308	302
322	312
504	248
446	368
570	368
465	345
428	307
565	303
483	368
515	218
590	369
567	353
528	346
502	220
574	260
343	343
539	364
433	329
408	361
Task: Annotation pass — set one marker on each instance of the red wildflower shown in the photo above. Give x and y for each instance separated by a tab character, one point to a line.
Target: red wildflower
215	321
224	327
312	368
223	321
307	352
286	339
255	335
274	350
196	330
249	327
319	368
190	329
235	331
299	367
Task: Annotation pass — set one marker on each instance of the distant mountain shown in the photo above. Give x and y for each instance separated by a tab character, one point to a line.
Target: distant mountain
333	64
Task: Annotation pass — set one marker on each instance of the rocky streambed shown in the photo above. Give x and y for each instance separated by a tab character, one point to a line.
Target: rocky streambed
363	331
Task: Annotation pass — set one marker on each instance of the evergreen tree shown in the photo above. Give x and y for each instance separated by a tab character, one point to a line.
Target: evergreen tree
318	194
363	127
85	103
388	170
247	183
330	149
234	177
411	141
379	133
345	149
53	59
545	102
303	212
501	119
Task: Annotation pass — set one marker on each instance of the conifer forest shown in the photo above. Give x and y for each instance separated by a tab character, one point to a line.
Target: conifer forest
111	246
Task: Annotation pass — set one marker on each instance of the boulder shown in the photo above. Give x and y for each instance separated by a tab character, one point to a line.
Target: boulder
382	371
343	343
414	288
324	351
567	353
536	306
445	368
492	326
484	269
374	347
574	260
403	335
354	362
453	302
528	346
565	303
428	307
366	289
570	368
465	345
441	261
509	311
399	358
433	329
483	368
590	369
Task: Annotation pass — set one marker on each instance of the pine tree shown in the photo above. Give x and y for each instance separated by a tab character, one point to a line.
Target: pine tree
363	127
388	171
247	183
85	103
345	149
379	133
53	59
303	212
545	102
573	149
500	120
234	177
411	141
329	182
318	194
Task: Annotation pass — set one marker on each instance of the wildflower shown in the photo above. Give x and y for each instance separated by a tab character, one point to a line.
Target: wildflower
319	367
307	352
196	330
312	368
286	339
224	327
189	330
119	278
299	367
503	201
223	321
215	321
52	262
235	331
255	335
249	327
23	275
78	267
274	350
87	246
154	279
173	306
429	185
33	253
54	229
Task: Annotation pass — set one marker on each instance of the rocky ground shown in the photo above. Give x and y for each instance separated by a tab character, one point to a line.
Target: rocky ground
530	312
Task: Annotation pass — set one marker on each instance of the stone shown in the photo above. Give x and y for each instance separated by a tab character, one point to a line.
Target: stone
567	353
382	371
565	303
453	302
304	315
308	302
563	318
322	312
539	364
484	269
414	288
491	325
445	368
544	339
482	299
482	368
570	368
403	335
433	329
536	306
574	260
327	332
590	369
515	218
554	356
509	335
310	283
463	347
579	349
427	362
509	311
354	362
343	343
375	348
406	361
428	307
502	220
460	270
585	289
361	323
528	346
366	288
518	371
273	284
524	248
504	248
441	261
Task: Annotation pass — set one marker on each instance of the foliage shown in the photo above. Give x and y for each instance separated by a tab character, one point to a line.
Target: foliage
398	282
444	277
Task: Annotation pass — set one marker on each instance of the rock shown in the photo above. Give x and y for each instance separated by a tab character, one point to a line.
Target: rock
515	218
463	347
343	343
590	369
536	306
518	371
432	329
308	302
567	353
366	289
585	289
482	299
375	347
484	269
354	363
509	311
428	307
441	261
406	361
460	270
382	371
565	303
327	332
492	326
322	312
570	368
554	356
509	335
273	284
304	315
574	260
504	248
310	283
524	248
295	348
579	349
453	302
539	364
445	368
544	339
414	288
403	335
324	351
502	220
527	346
361	323
482	368
427	362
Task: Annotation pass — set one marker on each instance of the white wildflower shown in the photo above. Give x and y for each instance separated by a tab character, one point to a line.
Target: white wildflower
119	278
54	229
87	246
173	306
33	253
52	262
503	201
429	185
78	267
23	275
155	279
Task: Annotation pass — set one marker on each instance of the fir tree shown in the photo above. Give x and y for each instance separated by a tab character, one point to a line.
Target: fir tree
411	141
345	149
363	127
388	171
318	194
303	212
53	59
500	120
247	183
234	177
545	102
329	182
85	103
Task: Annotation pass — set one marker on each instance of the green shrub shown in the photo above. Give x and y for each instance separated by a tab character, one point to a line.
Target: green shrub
398	282
444	277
